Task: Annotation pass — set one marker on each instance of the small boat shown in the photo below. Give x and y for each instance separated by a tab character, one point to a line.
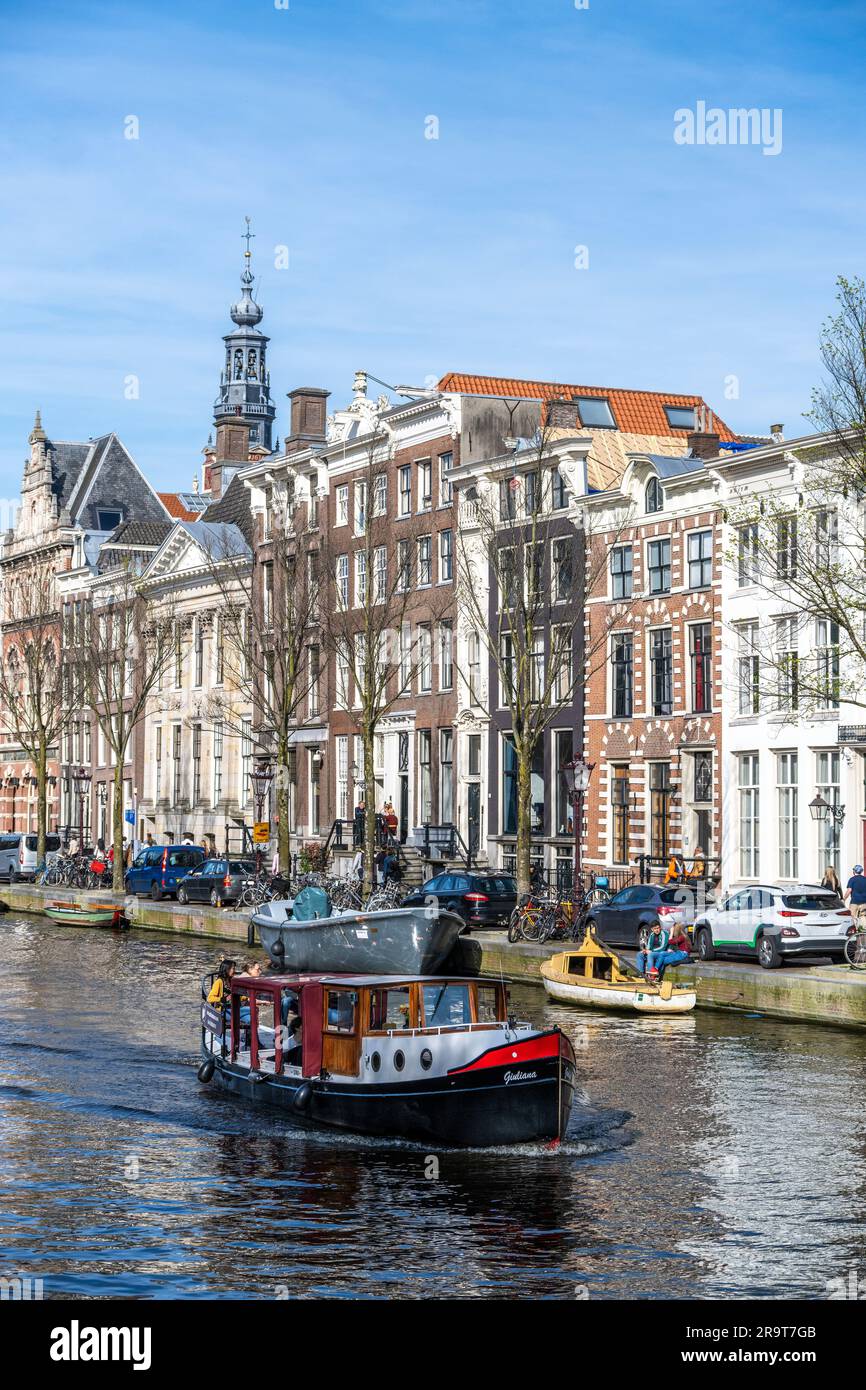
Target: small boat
394	941
592	975
430	1059
79	915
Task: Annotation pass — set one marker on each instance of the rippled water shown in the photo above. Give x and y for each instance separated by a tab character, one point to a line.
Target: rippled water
710	1156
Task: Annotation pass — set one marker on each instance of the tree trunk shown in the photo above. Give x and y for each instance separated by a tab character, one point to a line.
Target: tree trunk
117	828
524	817
369	810
284	831
41	801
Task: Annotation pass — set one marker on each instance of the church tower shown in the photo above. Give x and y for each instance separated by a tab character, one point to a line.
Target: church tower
243	412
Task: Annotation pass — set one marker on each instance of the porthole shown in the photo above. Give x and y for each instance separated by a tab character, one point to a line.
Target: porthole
399	1060
376	1061
426	1059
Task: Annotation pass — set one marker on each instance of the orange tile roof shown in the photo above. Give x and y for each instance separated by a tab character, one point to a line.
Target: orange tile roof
174	506
635	412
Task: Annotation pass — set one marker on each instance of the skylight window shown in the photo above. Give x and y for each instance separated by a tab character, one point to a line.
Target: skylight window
108	520
680	417
595	412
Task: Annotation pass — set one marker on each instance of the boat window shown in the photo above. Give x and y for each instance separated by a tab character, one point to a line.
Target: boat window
389	1008
488	1004
445	1005
340	1010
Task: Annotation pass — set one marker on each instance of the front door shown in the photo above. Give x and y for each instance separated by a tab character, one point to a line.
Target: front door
473	817
404	807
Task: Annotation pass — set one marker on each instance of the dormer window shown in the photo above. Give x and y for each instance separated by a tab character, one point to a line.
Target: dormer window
595	412
680	417
653	497
108	520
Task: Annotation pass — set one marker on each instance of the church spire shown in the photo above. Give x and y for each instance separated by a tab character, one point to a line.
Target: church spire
246	313
243	412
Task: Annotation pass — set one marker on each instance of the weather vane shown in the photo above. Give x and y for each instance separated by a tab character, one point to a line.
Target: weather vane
247	236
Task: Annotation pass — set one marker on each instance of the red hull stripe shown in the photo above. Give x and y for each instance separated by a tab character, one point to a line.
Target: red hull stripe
547	1045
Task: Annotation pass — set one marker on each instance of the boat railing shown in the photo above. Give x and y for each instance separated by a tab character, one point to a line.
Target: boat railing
434	1031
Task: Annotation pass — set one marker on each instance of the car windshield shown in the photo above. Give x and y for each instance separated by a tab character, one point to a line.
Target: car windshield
813	902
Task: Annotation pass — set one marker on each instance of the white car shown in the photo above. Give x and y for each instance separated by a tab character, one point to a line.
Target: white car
771	922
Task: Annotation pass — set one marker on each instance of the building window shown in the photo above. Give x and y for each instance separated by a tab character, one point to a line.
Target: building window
531	497
748	567
827	656
619	805
564	752
787	776
406	490
425	561
380	495
826	538
653	497
380	574
787	663
425	485
536	668
404	565
748	669
827	780
508	489
562	570
473	756
660	792
157	759
700	552
196	763
700	647
474	663
198	673
680	417
659	566
219	652
446	776
509	787
343	505
342	666
558	491
343	580
313	696
178	656
315	786
446	657
621	564
786	547
446	463
342	776
446	556
425	784
176	763
360	578
661	670
217	763
405	658
703	777
425	658
622	660
750	807
108	520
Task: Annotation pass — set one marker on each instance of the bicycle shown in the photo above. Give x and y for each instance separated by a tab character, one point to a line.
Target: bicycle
855	949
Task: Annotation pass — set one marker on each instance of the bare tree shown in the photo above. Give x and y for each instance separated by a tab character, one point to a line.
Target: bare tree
380	631
268	633
115	658
524	570
31	696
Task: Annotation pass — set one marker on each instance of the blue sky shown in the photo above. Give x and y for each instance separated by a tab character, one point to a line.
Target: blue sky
408	256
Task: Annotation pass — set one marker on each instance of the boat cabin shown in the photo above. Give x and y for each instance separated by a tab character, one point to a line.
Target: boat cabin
307	1025
592	961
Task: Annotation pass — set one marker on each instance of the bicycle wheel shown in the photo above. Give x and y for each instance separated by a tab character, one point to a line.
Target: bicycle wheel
530	924
514	932
855	952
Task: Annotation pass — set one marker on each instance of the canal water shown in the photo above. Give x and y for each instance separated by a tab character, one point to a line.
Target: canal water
709	1157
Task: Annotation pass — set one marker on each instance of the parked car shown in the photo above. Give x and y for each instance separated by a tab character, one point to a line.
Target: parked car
627	918
158	869
18	857
772	922
216	881
482	900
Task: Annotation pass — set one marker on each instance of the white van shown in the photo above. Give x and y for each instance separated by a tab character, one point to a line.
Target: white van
18	856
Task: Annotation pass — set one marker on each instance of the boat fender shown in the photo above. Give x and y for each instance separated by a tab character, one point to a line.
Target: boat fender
303	1096
206	1070
278	950
251	933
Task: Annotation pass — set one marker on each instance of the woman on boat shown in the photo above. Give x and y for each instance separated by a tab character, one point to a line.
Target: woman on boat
222	984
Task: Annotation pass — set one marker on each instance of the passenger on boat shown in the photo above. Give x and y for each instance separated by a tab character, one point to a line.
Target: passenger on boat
679	949
294	1048
288	1008
657	944
222	984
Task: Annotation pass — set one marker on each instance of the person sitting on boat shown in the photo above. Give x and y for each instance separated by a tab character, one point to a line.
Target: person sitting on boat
294	1046
221	988
288	1008
657	944
679	948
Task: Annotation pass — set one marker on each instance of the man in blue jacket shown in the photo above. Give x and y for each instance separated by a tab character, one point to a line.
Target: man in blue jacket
657	942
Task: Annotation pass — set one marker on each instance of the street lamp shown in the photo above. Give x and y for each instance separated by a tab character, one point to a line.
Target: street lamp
261	777
576	775
81	779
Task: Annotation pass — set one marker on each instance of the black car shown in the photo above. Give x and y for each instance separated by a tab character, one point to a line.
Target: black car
482	900
216	881
626	919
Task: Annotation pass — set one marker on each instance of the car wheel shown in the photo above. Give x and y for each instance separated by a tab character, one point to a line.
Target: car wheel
704	938
182	896
643	937
215	898
769	955
156	892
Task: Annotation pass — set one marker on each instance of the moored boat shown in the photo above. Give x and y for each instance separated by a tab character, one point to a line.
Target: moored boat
592	976
398	941
82	915
432	1059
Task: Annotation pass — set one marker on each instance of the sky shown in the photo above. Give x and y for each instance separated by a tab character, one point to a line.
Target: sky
707	268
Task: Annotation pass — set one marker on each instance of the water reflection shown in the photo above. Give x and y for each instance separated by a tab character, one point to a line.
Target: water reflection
708	1156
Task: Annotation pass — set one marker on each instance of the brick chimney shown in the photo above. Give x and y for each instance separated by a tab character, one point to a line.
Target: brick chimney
309	410
703	441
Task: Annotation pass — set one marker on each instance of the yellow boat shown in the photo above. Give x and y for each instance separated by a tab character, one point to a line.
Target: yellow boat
593	976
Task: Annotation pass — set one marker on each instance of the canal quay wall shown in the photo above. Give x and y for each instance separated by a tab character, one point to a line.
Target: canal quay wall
828	994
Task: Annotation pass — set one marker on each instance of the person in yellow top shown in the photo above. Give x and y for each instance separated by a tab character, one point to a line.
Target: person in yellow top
221	987
699	864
